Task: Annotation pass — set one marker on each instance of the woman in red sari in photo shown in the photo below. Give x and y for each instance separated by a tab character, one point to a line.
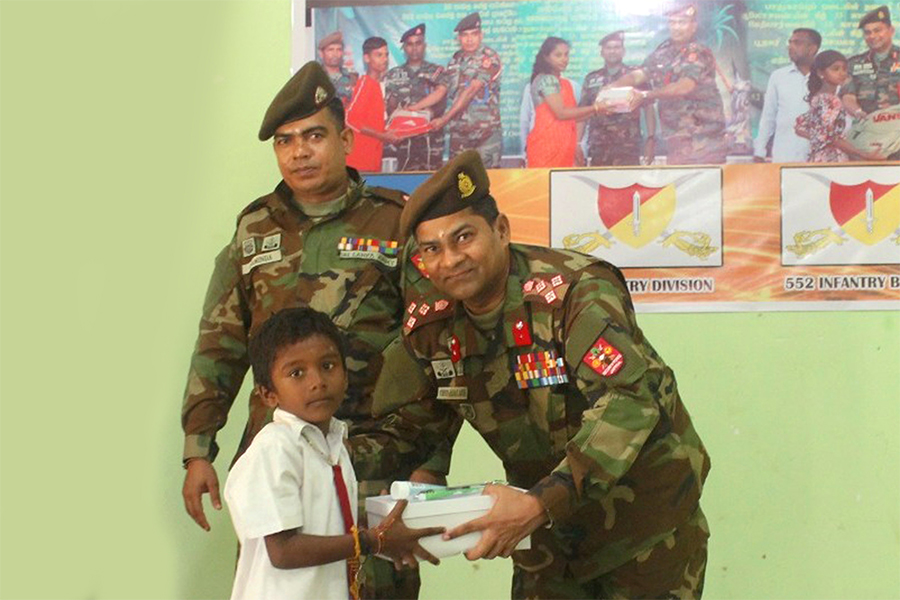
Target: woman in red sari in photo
553	141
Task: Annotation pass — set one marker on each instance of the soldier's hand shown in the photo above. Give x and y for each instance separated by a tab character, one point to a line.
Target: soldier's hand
200	479
514	515
759	159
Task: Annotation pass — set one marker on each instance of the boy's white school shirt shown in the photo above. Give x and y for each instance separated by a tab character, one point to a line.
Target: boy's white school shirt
283	481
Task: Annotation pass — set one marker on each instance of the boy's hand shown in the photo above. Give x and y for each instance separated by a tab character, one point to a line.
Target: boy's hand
401	543
200	479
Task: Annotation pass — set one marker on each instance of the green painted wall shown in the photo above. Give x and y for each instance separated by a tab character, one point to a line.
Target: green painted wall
128	146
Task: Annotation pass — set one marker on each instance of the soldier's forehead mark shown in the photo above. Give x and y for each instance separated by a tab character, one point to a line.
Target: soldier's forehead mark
445	234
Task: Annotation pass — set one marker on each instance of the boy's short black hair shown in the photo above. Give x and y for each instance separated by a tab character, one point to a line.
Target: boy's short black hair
373	43
288	326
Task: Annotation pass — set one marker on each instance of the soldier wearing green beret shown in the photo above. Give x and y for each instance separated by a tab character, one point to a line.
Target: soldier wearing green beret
682	74
539	350
615	138
472	84
875	74
406	85
322	238
331	54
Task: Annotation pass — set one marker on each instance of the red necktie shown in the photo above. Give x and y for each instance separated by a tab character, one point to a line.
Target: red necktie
347	514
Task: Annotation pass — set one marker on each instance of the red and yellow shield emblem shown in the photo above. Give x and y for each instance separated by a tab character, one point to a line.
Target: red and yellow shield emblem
868	211
636	215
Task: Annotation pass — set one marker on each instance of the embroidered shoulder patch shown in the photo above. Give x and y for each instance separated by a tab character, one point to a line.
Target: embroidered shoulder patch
604	358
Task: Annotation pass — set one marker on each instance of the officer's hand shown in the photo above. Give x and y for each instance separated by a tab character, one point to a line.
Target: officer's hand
759	159
438	123
514	515
200	479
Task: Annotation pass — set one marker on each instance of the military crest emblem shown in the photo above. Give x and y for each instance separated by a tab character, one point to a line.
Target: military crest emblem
321	95
466	185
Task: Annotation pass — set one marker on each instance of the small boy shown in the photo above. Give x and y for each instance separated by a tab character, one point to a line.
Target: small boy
292	494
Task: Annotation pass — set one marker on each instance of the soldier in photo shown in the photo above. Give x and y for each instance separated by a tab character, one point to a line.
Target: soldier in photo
615	138
539	350
682	73
325	239
406	85
471	82
331	54
875	74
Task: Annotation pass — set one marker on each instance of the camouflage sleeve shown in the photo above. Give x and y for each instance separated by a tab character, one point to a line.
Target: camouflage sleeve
219	362
613	368
587	94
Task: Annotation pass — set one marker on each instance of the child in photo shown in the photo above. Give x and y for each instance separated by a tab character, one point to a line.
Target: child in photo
826	119
292	495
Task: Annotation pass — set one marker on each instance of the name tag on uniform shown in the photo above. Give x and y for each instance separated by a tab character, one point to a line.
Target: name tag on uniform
261	259
443	369
452	393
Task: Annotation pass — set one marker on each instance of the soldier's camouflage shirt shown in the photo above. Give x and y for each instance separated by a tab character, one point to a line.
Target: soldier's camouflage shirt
344	81
876	84
481	118
343	263
566	391
406	85
621	131
699	115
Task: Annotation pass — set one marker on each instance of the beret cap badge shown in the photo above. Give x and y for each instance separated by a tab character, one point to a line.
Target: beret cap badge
321	95
466	187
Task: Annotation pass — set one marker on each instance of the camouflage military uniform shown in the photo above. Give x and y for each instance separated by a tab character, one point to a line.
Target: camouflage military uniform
405	85
344	82
693	125
280	257
581	410
478	126
613	139
874	82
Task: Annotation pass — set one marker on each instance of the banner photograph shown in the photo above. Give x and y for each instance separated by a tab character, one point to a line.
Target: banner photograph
549	84
584	112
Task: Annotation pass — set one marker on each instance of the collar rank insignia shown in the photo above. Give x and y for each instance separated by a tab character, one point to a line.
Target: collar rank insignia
604	358
383	251
410	323
416	260
441	305
423	310
411	308
521	333
466	186
540	369
455	354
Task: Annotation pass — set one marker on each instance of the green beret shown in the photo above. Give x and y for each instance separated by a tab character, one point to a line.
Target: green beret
688	9
305	94
454	187
417	30
335	37
615	36
879	15
472	21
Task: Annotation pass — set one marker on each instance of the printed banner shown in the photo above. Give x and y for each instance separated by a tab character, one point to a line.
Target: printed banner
756	237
